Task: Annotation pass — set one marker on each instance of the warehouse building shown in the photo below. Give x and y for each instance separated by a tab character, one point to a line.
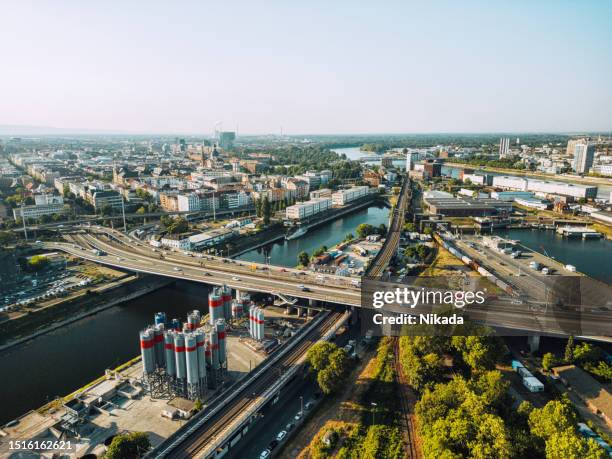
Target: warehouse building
467	207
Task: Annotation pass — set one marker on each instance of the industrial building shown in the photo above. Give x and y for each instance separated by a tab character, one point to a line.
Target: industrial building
533	203
510	196
182	360
546	187
210	238
342	197
308	208
467	207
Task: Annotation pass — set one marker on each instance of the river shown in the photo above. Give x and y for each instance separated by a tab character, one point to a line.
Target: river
592	257
61	361
284	253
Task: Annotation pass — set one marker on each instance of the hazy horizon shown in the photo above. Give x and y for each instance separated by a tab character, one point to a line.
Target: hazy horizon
317	69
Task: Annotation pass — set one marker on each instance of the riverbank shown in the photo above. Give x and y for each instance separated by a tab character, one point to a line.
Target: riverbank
76	308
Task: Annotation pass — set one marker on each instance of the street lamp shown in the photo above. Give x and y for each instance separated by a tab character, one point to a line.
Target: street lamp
374	405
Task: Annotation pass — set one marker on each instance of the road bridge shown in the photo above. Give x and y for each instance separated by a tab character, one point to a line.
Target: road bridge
131	254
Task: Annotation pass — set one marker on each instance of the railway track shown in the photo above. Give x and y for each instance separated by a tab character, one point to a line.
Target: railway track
383	258
195	443
407	401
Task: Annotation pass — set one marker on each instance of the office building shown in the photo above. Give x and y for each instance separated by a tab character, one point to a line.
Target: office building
226	139
584	153
504	147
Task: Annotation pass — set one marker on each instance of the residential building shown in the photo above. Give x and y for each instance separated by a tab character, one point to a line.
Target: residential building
342	197
308	209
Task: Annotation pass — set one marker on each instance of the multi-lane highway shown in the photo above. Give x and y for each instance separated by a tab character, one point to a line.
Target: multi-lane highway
128	253
125	252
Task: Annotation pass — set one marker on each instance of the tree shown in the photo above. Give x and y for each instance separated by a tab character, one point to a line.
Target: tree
365	229
382	229
128	446
177	225
331	364
479	352
37	262
409	227
303	258
266	210
569	350
318	354
549	361
586	353
197	405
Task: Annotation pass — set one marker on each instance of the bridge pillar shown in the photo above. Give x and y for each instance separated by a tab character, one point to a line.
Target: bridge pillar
534	343
289	310
298	311
310	312
313	303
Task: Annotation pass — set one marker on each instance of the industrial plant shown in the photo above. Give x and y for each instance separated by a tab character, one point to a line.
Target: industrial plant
188	359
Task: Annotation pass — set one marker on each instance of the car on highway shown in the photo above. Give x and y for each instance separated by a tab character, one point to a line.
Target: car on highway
265	454
298	416
176	268
308	405
235	278
289	427
281	435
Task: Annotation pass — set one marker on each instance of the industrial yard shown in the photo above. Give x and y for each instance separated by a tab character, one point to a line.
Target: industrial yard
159	391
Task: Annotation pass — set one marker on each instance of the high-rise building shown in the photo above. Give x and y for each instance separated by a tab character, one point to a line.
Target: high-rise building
504	147
226	139
411	158
584	153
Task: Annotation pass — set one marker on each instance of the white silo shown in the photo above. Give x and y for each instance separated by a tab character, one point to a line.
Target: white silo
214	348
220	327
253	322
169	352
226	293
147	350
179	355
160	355
201	352
191	354
261	323
215	306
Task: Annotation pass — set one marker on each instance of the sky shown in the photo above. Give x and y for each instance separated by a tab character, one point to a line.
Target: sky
309	67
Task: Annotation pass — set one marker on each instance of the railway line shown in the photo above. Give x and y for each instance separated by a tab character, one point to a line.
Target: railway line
383	258
407	401
195	443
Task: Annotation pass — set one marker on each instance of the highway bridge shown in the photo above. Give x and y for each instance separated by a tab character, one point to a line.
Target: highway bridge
121	251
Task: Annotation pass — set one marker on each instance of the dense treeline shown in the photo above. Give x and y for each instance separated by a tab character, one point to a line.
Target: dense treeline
465	409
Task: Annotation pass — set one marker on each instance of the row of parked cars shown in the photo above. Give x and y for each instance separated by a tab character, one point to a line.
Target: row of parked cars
266	453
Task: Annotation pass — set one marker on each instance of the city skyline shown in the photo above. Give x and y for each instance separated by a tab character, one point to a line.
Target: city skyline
361	70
